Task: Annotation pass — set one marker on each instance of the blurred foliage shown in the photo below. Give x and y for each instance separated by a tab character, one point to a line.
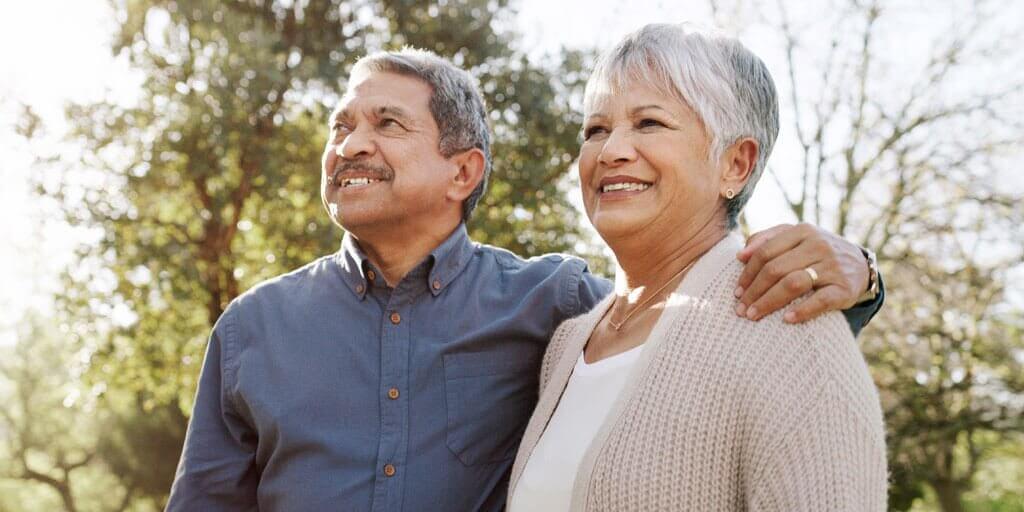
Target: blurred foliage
51	426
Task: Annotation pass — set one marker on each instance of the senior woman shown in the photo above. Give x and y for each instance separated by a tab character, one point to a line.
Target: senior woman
661	398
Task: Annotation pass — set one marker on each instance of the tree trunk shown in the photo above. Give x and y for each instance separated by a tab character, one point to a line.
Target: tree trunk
950	495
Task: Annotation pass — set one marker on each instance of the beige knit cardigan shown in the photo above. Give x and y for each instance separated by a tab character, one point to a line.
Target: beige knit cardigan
721	413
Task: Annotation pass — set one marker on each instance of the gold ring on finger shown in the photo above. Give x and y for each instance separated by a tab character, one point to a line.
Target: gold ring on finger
814	275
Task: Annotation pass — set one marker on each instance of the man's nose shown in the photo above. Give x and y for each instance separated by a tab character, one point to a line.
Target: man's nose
358	144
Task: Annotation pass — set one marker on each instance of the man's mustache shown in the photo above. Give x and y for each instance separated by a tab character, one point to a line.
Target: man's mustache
377	172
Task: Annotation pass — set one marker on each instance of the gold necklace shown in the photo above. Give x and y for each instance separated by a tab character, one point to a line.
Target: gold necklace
649	298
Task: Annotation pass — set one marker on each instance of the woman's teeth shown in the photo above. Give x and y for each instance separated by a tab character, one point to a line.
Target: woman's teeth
630	187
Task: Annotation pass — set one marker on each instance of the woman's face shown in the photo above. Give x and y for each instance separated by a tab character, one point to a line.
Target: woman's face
644	165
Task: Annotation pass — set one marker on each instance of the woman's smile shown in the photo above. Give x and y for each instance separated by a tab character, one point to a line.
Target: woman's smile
620	187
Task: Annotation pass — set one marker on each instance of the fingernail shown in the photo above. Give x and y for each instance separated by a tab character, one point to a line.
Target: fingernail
738	291
789	317
751	312
740	309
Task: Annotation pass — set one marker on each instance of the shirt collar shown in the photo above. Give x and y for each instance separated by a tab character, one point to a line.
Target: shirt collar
444	263
449	259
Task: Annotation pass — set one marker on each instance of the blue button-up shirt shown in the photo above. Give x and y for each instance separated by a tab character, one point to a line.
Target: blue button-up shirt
324	389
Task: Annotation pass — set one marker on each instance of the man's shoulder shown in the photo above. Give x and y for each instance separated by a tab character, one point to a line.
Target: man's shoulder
540	266
287	288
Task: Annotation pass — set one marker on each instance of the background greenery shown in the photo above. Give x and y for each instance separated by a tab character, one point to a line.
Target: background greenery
209	184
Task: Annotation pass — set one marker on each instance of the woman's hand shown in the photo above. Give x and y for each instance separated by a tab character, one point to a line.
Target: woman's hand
775	274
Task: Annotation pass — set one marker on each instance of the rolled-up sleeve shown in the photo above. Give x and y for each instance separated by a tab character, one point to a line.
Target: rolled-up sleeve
216	471
590	289
860	314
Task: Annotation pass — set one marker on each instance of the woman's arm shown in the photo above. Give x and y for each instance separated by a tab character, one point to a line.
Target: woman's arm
831	457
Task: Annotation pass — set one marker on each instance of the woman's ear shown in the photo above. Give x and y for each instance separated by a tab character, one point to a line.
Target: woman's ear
470	166
737	164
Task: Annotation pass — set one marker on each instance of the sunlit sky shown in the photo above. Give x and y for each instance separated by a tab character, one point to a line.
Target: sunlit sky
54	52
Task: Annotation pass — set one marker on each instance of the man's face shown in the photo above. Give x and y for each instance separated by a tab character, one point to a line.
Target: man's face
382	167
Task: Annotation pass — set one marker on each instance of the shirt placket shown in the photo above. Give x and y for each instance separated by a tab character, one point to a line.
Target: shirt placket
393	396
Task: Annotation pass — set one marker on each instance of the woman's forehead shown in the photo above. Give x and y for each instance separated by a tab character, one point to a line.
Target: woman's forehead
629	94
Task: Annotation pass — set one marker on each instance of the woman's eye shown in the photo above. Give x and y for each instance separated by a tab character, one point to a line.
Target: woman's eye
593	130
648	123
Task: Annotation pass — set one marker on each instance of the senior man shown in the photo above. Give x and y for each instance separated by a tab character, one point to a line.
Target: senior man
399	373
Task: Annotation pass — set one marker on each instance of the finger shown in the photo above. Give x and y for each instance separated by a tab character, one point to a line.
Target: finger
786	290
759	238
767	251
821	301
796	258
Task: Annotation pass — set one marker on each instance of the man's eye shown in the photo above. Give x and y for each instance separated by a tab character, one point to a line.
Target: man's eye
388	122
593	130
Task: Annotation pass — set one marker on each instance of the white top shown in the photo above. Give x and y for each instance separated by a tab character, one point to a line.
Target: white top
548	479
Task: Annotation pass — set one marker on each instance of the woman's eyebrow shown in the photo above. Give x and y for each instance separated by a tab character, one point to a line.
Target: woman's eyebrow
641	108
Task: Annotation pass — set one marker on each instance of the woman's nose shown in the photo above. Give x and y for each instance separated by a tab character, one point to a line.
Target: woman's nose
617	150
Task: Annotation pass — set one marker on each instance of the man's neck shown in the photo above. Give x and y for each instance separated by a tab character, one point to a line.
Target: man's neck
395	254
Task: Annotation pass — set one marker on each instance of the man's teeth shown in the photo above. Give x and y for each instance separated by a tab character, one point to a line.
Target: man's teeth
357	182
631	187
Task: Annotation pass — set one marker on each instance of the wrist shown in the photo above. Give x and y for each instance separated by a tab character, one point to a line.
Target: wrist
871	291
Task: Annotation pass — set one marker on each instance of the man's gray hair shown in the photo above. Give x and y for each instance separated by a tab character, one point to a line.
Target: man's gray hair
456	104
728	87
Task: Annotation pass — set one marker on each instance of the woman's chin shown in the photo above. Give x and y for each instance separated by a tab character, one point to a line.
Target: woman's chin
615	225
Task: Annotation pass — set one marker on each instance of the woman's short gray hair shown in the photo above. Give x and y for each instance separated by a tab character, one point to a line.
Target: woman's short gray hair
456	104
728	87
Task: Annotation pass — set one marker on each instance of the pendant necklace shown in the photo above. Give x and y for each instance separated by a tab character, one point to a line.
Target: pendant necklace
649	298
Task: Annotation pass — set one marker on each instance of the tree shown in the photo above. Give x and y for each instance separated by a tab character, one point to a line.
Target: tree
910	157
209	182
49	426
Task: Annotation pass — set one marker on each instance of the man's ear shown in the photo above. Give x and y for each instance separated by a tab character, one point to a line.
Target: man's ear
470	165
737	164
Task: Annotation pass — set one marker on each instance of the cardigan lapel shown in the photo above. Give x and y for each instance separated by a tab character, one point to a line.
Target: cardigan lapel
696	280
684	297
552	392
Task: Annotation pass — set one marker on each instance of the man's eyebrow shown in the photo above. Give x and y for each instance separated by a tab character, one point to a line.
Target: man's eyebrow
339	113
383	110
391	110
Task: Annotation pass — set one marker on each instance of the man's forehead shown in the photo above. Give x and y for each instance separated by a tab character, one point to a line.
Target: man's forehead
386	92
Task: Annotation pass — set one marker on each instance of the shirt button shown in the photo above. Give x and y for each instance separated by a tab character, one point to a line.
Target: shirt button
396	318
437	284
393	393
360	288
371	275
389	470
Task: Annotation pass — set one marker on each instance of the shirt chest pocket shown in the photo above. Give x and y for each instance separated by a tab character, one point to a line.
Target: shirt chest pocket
490	397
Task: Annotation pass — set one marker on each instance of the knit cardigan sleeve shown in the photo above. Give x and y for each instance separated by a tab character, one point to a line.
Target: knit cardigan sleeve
825	462
828	452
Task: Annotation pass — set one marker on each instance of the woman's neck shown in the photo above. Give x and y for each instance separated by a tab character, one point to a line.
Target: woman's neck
646	265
